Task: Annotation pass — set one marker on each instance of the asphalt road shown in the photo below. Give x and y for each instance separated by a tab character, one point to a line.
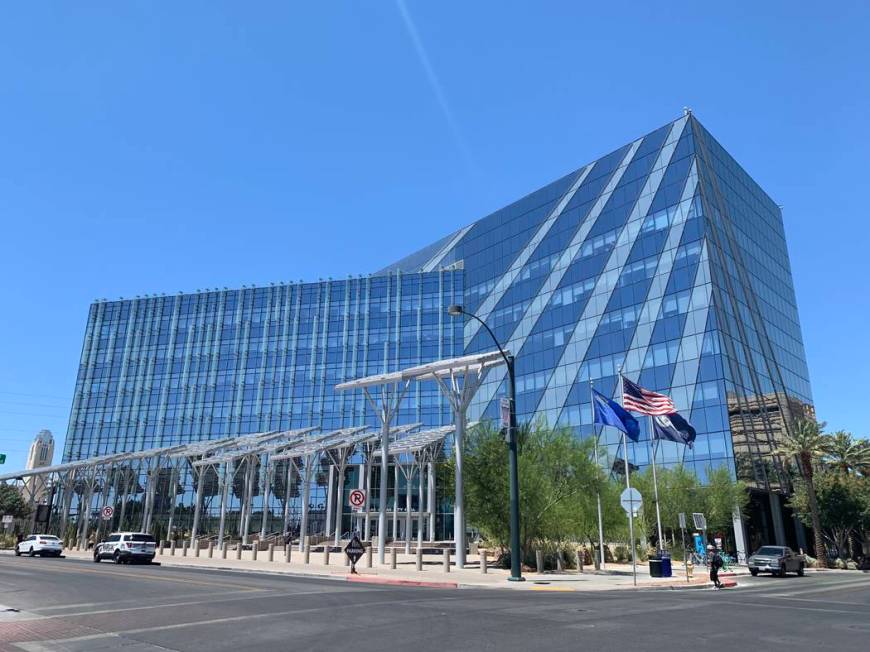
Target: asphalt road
70	605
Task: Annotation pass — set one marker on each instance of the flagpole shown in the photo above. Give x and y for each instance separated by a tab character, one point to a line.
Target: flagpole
655	482
628	486
598	487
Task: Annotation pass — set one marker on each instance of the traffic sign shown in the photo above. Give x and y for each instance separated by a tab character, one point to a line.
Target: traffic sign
107	512
354	550
7	519
683	520
357	498
699	520
2	458
631	500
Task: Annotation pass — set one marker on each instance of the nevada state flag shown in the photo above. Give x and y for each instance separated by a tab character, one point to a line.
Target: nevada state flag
673	427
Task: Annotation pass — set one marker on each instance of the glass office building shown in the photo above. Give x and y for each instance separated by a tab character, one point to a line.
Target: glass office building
662	259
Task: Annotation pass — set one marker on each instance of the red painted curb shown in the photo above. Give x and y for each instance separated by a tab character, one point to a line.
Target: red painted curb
385	580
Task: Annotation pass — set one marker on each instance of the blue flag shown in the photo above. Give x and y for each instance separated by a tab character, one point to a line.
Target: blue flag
673	427
610	413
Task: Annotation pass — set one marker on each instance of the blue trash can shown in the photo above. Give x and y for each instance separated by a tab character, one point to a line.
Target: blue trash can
667	571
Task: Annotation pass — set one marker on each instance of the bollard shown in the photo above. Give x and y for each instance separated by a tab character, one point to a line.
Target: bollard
580	559
287	549
393	558
210	549
184	548
346	560
160	549
254	551
325	555
196	548
307	552
483	562
539	561
271	552
560	563
446	560
369	552
239	550
419	558
172	548
224	547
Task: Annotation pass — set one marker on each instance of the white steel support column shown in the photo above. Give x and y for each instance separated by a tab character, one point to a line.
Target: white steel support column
266	474
306	497
395	500
368	503
249	499
420	520
409	476
224	489
197	508
430	477
173	496
327	530
339	495
288	481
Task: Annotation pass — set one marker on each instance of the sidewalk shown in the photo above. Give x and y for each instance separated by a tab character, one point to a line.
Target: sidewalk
617	576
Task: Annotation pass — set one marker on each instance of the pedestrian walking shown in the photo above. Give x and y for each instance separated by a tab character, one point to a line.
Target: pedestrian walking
715	561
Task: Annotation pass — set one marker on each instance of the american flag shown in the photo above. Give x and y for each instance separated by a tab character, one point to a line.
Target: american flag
638	399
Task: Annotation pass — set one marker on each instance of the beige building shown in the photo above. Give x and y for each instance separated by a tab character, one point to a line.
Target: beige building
41	454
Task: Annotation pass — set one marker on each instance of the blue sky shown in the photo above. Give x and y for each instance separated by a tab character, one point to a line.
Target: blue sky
156	147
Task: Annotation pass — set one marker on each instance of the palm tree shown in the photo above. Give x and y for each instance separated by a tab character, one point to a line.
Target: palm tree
847	454
806	442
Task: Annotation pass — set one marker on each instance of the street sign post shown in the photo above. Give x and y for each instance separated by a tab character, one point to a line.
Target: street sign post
631	500
357	499
107	512
354	550
700	522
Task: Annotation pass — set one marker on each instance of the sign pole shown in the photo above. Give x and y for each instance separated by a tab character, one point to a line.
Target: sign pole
655	483
630	511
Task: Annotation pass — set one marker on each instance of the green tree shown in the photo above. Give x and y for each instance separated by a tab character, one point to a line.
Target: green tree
11	502
558	479
842	505
807	443
722	495
847	454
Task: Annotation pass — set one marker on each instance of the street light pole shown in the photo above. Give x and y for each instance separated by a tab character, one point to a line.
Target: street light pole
513	469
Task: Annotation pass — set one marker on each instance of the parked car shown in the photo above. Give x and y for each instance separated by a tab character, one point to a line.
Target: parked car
777	560
39	544
126	547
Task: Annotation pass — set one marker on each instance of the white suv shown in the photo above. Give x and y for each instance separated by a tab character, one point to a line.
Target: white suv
126	547
39	544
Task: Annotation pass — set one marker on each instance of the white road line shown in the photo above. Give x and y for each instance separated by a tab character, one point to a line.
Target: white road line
824	589
55	643
260	596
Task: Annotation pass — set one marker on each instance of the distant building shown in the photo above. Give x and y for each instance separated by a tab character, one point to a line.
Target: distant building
41	454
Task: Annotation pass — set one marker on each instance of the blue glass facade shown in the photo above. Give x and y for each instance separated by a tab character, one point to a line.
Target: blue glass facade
662	259
160	371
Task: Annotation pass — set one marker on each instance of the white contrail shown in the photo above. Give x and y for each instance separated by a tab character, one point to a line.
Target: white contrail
435	84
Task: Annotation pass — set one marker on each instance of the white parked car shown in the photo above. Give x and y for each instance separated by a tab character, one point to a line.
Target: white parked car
126	547
39	544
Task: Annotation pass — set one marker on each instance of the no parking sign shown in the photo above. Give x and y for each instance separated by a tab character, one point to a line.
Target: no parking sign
357	498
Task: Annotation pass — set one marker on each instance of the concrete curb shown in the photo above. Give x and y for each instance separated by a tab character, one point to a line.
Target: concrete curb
364	579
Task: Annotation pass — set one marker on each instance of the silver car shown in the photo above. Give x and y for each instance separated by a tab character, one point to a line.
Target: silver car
126	547
777	560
